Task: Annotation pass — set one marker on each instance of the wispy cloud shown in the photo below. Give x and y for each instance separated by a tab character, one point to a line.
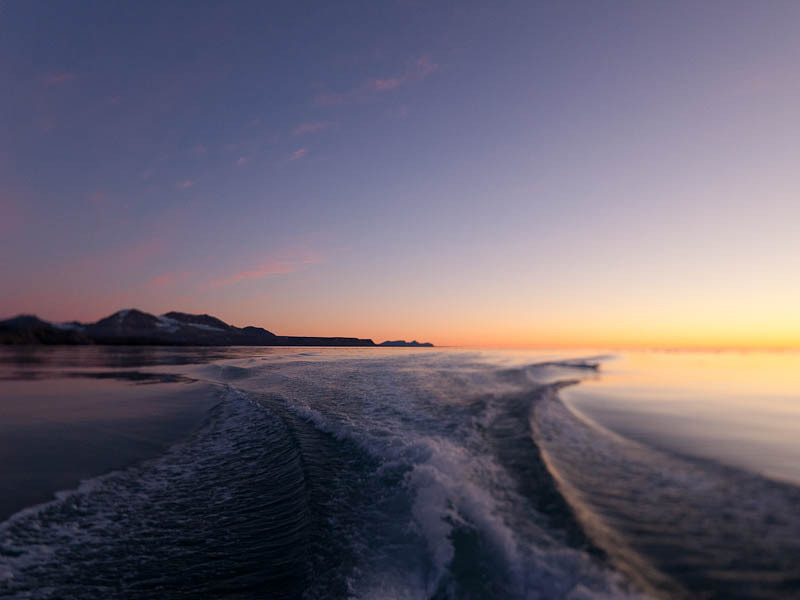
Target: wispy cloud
57	78
241	161
279	266
298	154
185	184
168	279
333	98
420	69
399	113
115	99
304	128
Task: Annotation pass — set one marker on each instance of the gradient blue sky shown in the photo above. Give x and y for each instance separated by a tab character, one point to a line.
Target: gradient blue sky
516	173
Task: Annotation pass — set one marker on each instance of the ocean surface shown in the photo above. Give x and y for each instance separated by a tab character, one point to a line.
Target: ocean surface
398	473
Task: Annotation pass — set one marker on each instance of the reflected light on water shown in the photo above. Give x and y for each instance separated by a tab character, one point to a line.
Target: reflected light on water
739	408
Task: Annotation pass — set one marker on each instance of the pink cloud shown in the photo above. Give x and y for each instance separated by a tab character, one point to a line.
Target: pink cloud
161	281
280	266
185	184
420	69
424	67
298	154
243	160
304	128
382	85
57	78
399	113
331	99
115	99
168	279
147	174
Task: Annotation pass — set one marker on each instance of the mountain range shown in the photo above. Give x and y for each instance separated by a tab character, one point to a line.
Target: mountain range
134	327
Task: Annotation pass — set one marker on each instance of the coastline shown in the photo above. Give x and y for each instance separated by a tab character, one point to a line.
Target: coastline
132	327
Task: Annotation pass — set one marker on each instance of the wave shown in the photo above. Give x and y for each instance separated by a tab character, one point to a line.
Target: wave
230	501
417	477
680	527
483	525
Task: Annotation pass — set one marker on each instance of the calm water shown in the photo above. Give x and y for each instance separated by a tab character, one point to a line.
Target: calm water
742	409
395	473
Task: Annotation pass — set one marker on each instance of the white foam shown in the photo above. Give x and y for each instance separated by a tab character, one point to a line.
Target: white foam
415	415
397	412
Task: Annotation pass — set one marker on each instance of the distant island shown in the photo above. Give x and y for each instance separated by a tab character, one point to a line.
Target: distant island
134	327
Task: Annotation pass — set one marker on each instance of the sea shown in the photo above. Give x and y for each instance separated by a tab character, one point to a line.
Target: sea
372	473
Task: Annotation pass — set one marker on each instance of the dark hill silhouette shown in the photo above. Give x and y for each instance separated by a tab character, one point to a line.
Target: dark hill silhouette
204	320
28	329
134	327
403	343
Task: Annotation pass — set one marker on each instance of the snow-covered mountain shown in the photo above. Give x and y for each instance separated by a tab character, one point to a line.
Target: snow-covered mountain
135	327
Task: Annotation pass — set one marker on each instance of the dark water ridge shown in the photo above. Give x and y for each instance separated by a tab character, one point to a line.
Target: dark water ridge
683	527
231	501
280	498
434	475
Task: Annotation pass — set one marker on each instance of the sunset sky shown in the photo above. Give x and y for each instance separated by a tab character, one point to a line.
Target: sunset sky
498	173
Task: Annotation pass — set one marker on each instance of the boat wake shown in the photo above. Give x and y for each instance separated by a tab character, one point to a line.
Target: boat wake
418	476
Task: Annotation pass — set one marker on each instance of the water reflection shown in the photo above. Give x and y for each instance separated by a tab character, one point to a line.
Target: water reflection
121	356
68	413
739	408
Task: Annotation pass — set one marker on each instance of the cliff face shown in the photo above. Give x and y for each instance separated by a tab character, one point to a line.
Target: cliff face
134	327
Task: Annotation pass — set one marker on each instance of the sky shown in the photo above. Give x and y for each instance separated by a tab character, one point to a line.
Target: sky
618	173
